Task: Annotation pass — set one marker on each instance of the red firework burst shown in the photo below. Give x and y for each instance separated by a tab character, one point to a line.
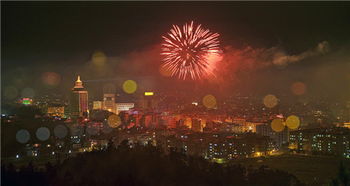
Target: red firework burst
189	52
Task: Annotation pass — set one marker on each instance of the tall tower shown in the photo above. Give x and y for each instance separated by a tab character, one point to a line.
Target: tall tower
79	100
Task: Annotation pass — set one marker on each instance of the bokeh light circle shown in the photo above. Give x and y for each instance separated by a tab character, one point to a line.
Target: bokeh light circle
60	131
129	86
28	93
43	133
106	128
293	122
114	121
10	92
91	130
99	58
209	101
22	136
51	78
277	125
270	101
76	130
298	88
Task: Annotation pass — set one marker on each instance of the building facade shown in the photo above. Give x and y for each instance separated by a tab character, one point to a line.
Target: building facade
326	141
56	111
97	105
124	107
109	102
79	100
280	138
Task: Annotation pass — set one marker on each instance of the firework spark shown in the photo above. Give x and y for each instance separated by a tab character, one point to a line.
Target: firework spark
190	52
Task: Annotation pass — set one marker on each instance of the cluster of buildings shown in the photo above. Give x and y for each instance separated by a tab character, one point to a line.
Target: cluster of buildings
79	107
224	146
78	104
325	141
214	136
213	146
109	104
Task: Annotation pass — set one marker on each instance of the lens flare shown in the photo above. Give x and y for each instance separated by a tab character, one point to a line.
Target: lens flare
114	121
22	136
51	78
190	52
99	58
129	86
298	88
277	125
60	131
28	93
270	101
10	92
209	101
43	133
293	122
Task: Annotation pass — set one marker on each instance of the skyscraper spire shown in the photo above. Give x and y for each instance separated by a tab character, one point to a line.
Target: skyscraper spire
79	100
78	84
78	80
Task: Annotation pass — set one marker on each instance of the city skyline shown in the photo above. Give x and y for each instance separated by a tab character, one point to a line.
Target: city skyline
175	93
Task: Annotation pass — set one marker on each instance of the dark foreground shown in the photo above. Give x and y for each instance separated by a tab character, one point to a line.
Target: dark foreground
142	166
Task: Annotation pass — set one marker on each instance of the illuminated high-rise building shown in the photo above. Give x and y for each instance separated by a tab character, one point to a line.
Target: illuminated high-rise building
109	102
196	125
79	100
188	122
97	105
169	121
148	101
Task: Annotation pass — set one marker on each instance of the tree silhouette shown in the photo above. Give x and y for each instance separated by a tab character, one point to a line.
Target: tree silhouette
143	165
342	176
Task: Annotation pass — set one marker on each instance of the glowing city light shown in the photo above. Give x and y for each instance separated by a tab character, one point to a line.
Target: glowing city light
27	101
149	93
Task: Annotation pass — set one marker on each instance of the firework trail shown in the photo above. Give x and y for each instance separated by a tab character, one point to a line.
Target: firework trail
190	52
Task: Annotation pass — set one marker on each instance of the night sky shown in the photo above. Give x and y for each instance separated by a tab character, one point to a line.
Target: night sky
61	37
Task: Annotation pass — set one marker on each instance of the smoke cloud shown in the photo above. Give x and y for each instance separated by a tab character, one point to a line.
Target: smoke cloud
252	58
239	65
281	58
